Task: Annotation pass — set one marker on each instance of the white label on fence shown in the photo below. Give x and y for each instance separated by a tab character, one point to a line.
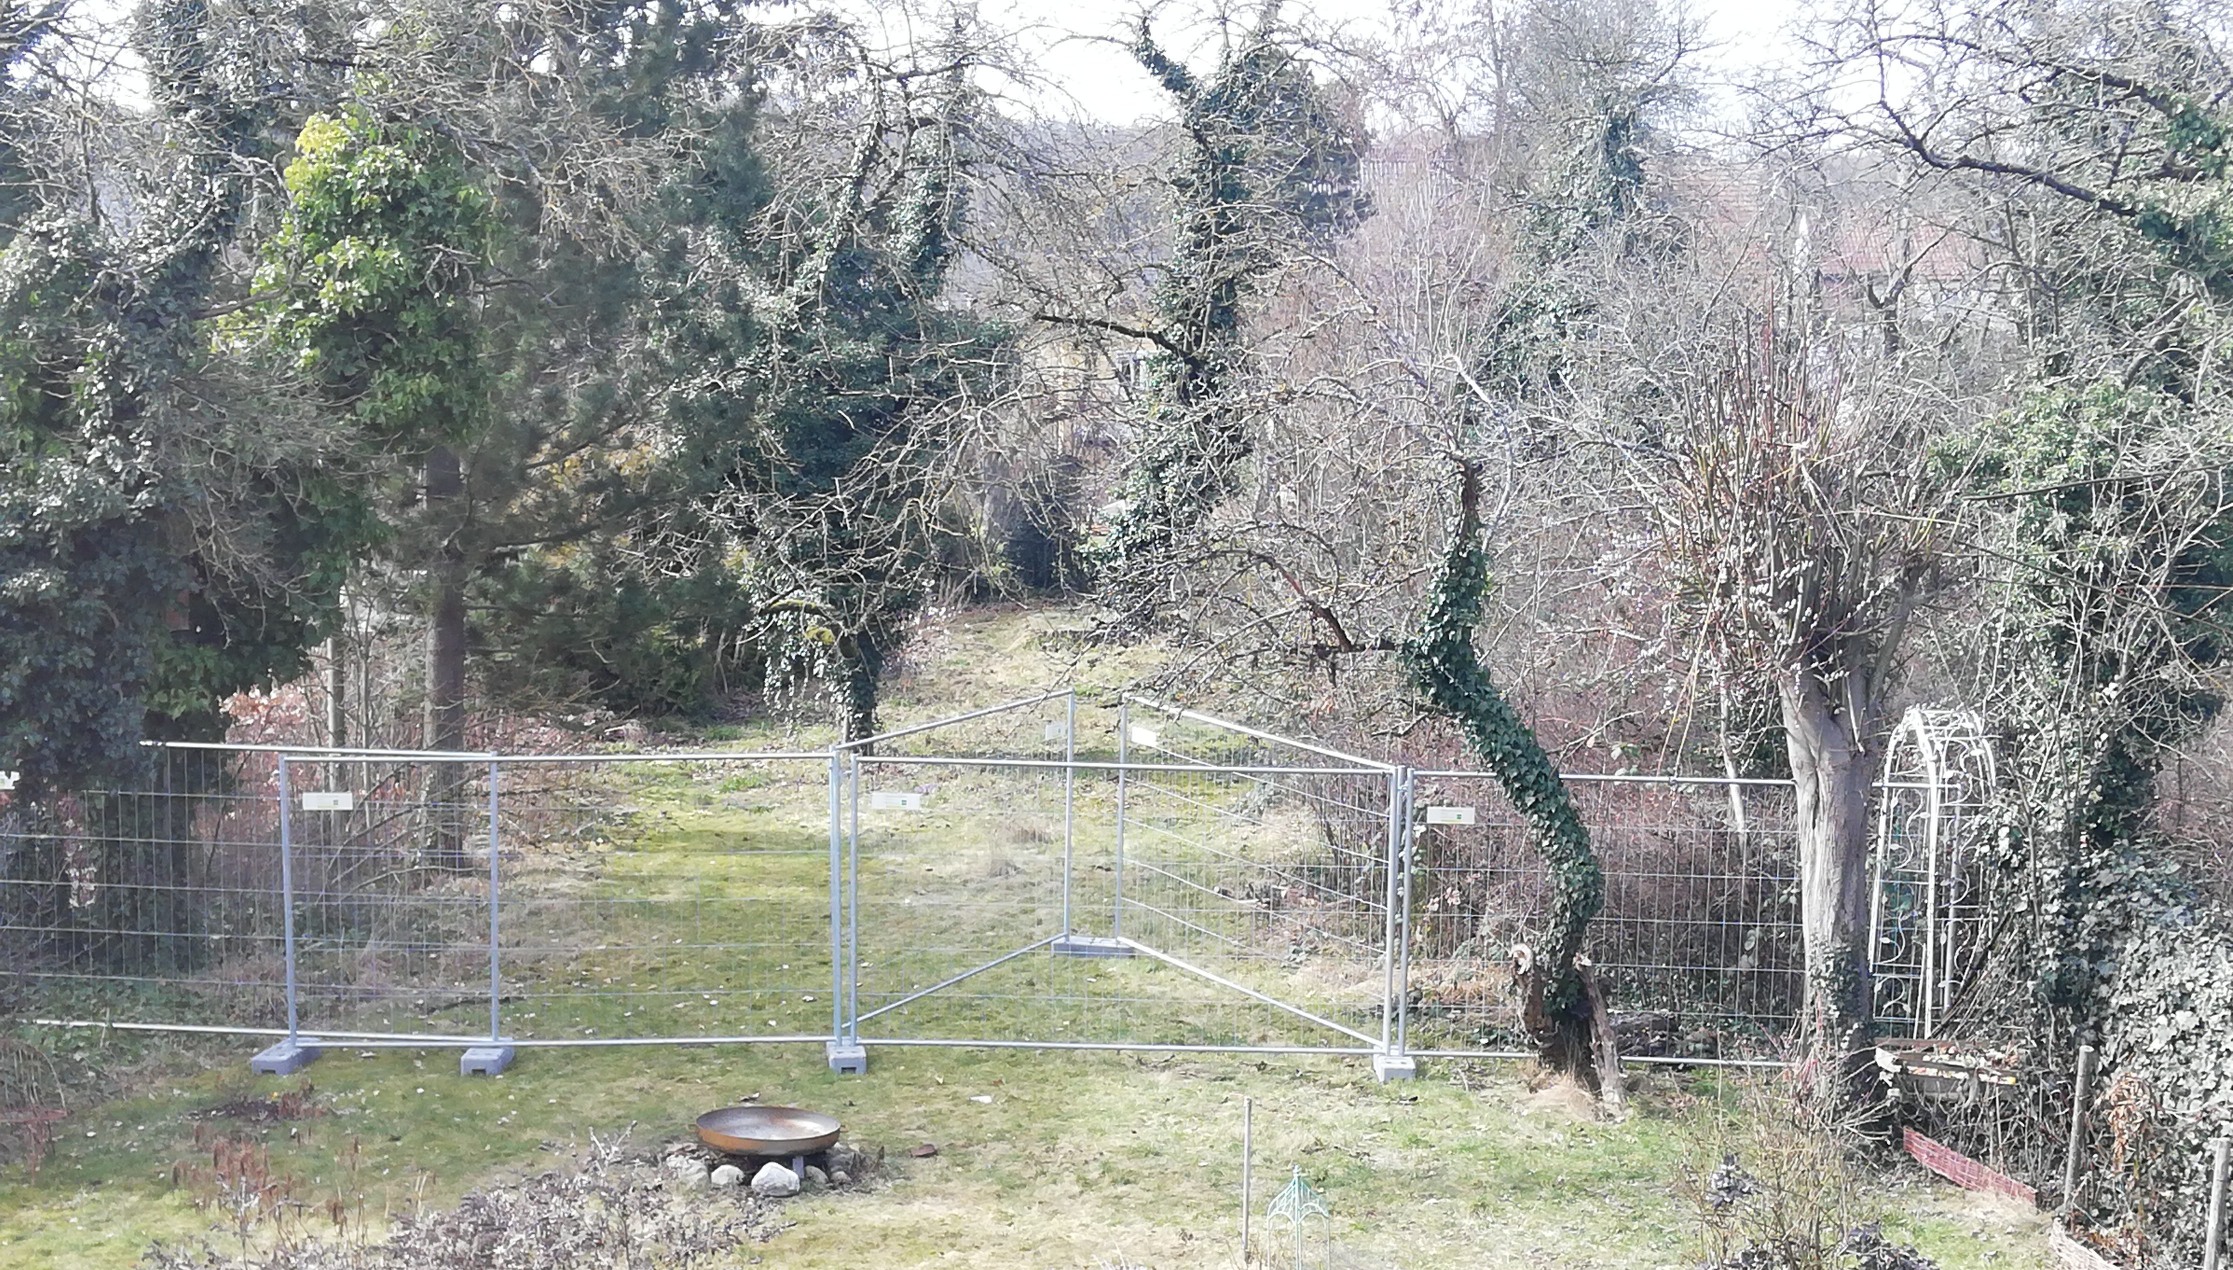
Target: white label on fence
1449	815
1058	731
329	800
1145	736
890	800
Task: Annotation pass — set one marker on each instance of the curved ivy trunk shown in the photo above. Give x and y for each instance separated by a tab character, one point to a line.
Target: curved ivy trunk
1444	669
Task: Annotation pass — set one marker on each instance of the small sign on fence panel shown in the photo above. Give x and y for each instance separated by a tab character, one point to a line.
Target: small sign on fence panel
329	800
1450	815
1145	736
1058	731
894	800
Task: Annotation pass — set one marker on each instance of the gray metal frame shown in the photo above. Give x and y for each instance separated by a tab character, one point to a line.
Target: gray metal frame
1399	898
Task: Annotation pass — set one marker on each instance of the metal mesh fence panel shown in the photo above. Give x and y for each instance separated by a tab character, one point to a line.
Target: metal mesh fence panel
1031	874
157	903
1698	941
1259	868
665	898
390	862
961	838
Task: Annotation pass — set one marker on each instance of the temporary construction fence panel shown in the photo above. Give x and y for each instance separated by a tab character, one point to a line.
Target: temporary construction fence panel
1041	873
1697	943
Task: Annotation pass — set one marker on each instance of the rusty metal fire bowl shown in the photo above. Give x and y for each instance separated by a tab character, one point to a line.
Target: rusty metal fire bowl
767	1130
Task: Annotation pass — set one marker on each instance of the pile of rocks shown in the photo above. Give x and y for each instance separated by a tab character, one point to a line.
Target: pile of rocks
691	1166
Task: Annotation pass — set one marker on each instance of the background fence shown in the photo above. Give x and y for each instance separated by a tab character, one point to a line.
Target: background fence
1040	873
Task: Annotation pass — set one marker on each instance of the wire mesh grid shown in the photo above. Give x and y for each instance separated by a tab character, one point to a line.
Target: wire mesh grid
389	866
968	846
1259	867
157	902
1039	873
1697	944
665	899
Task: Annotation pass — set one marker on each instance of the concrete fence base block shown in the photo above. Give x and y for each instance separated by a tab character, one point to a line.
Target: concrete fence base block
1389	1067
846	1059
485	1060
284	1059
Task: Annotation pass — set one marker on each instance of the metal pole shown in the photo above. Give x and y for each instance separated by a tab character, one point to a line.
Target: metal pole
1069	798
1388	903
2214	1242
1248	1168
853	905
837	895
2080	1091
287	900
495	906
1403	932
1124	754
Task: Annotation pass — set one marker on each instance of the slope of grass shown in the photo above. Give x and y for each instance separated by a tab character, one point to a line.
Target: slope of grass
696	907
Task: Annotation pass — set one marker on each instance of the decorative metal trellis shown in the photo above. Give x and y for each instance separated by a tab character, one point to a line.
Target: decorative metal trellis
1932	920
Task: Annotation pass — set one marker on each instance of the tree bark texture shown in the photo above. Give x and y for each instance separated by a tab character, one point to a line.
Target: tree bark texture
1831	776
445	659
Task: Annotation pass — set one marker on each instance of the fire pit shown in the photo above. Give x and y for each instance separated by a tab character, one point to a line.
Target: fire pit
767	1131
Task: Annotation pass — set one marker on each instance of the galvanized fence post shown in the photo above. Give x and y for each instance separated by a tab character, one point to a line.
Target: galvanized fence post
1409	830
1124	757
844	1052
287	902
288	1056
837	896
853	900
1069	797
492	1058
1391	1063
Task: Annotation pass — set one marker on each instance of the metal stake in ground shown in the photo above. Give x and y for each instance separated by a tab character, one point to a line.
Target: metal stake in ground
2214	1243
2080	1091
1248	1162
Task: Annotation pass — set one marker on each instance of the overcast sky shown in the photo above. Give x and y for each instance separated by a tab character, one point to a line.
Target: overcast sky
1076	47
1071	42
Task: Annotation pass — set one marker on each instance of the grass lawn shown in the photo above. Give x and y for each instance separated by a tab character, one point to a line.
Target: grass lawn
1044	1159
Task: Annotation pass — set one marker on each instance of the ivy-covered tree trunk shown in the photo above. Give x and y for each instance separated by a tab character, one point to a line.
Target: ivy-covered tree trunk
1446	671
1830	772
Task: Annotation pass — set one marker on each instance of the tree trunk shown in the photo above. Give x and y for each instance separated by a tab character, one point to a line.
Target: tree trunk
445	659
1830	772
1446	672
337	690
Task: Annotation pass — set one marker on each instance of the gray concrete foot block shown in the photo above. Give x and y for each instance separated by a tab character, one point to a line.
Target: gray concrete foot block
846	1060
485	1060
1394	1067
284	1059
1089	946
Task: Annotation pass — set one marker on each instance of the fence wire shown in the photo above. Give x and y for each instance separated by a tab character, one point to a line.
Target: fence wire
1040	873
1697	944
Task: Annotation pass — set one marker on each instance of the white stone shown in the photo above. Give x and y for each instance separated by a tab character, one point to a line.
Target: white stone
728	1175
774	1181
